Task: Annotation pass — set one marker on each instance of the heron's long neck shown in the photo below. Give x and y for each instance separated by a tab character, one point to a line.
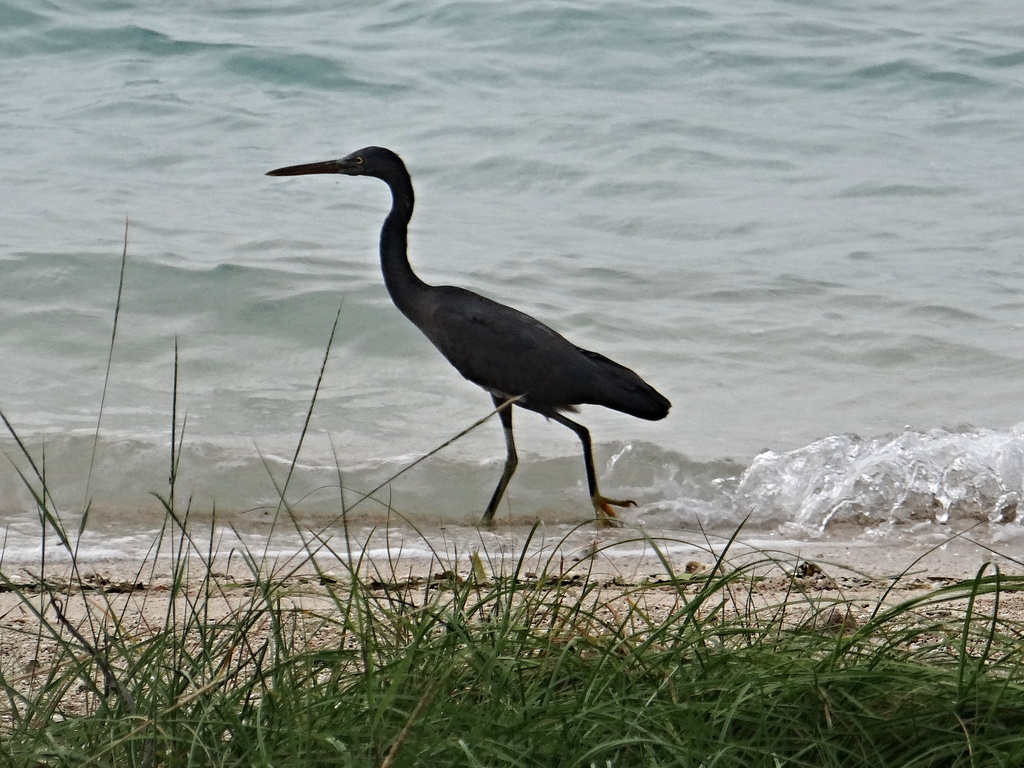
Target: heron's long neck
401	282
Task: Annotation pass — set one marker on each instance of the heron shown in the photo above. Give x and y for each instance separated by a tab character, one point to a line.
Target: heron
518	360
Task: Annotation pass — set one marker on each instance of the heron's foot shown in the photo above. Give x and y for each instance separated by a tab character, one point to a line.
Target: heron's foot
605	513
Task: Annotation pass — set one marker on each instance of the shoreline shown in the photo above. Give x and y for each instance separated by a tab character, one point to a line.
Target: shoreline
626	555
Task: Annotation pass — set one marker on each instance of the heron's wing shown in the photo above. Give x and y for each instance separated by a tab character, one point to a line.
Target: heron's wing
508	352
495	346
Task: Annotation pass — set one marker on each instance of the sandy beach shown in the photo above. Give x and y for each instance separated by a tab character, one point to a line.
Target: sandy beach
841	580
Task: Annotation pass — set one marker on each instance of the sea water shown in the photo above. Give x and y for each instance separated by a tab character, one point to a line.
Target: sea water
801	222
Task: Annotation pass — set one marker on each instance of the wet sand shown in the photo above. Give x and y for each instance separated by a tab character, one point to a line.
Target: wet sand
628	554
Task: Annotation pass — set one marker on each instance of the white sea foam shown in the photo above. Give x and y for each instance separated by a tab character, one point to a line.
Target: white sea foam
955	478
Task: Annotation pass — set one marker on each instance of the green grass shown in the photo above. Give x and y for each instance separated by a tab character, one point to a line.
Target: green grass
297	667
514	671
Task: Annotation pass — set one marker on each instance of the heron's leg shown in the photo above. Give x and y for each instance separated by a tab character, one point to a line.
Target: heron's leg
602	505
511	460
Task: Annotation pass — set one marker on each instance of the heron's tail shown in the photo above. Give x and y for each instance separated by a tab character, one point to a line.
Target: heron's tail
621	389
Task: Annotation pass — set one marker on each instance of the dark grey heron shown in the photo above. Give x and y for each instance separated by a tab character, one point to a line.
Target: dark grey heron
510	354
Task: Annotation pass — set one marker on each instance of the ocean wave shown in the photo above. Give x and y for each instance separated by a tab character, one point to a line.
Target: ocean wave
839	484
938	476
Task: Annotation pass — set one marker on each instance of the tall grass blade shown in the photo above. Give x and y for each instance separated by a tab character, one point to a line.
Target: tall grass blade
106	372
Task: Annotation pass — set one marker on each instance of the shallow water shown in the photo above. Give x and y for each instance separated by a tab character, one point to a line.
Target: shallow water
800	222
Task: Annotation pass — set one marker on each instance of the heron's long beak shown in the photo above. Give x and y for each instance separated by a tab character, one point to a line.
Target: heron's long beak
328	166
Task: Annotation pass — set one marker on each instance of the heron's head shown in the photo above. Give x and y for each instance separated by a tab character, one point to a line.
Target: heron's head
369	161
